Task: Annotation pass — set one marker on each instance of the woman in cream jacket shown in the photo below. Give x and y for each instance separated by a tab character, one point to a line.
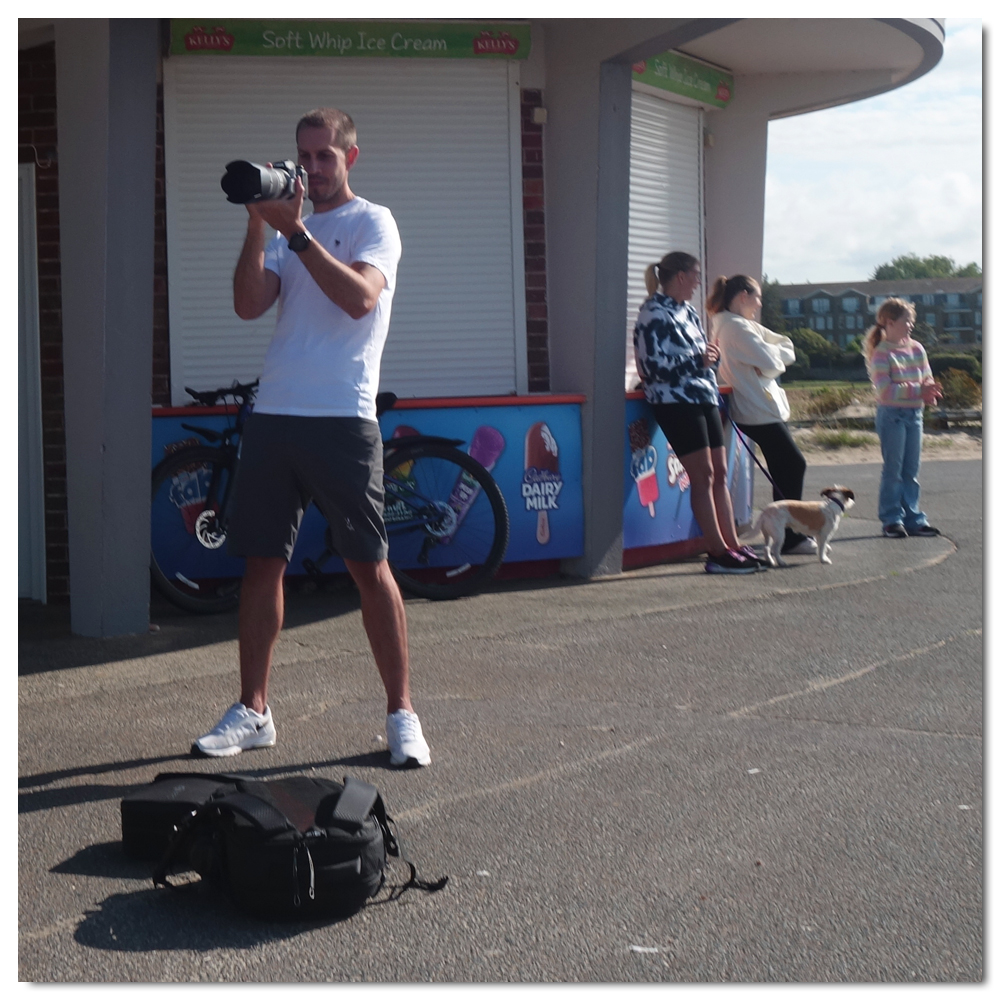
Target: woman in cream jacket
752	358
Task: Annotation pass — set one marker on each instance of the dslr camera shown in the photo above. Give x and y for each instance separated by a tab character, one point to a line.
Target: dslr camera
245	182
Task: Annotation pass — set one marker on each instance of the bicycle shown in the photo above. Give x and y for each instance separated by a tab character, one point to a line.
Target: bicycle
445	516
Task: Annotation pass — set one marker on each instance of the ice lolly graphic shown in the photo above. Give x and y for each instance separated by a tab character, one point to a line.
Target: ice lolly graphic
643	467
644	473
638	434
541	453
405	468
187	493
487	444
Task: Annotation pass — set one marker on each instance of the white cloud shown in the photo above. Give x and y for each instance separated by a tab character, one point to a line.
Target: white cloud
851	187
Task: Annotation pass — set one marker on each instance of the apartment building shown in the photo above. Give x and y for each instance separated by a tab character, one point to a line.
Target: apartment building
951	307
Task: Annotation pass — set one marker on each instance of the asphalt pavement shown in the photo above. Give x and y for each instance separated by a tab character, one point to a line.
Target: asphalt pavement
662	776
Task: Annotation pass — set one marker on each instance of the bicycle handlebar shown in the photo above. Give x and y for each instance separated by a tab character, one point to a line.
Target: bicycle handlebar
239	392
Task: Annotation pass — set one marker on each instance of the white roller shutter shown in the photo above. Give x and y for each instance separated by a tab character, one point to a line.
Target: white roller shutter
440	146
666	204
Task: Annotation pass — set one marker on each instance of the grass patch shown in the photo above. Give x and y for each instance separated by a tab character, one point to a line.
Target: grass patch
834	438
818	384
818	400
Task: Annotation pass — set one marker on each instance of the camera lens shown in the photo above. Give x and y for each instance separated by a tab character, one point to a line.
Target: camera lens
244	182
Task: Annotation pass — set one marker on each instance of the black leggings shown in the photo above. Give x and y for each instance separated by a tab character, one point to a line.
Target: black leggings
785	465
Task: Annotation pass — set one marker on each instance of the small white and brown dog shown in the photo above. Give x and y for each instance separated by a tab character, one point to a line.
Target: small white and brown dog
817	519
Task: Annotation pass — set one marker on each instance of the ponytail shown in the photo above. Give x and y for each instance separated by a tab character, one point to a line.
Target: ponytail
659	275
726	289
873	337
716	300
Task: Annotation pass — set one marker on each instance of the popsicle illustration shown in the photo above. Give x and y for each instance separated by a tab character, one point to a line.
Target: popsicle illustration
486	447
187	494
643	467
541	453
405	468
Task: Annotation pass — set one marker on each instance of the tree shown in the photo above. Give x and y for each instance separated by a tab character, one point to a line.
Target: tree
924	333
770	310
909	265
820	351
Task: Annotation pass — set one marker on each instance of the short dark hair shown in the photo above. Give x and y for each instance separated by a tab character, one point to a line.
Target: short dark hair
345	134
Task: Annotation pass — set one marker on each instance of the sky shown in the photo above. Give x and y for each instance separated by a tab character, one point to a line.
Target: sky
852	187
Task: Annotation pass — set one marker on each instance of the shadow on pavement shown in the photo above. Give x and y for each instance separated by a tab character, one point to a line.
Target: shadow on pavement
46	642
104	861
190	917
194	916
71	795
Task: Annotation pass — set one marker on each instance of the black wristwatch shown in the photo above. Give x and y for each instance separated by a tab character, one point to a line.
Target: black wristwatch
299	241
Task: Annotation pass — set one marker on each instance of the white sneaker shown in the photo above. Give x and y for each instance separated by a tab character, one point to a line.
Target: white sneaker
241	728
807	547
407	746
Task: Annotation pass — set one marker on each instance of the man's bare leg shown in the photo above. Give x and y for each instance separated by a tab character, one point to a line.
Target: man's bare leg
384	617
262	612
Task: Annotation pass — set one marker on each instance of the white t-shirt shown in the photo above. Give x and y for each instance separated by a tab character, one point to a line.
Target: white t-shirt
320	362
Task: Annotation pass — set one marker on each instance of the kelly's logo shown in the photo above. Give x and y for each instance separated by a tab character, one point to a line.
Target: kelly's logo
200	40
495	43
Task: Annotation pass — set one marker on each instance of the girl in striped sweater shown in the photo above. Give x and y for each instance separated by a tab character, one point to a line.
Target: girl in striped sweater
903	382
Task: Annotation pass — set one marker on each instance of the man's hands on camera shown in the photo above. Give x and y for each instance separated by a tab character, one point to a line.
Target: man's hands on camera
285	216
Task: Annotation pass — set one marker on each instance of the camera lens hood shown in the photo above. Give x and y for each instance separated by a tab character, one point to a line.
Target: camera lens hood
245	182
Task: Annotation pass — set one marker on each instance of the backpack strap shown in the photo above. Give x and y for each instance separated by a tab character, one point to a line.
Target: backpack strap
355	802
184	835
261	813
397	851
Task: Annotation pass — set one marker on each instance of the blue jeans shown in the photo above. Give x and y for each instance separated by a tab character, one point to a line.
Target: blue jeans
900	432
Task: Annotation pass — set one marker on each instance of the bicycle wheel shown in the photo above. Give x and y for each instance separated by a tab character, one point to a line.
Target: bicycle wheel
188	558
446	520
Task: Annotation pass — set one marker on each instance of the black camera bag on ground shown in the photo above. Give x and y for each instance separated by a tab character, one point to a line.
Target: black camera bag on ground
151	814
296	847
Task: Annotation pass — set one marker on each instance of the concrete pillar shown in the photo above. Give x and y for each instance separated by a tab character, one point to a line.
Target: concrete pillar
589	99
106	99
735	170
586	175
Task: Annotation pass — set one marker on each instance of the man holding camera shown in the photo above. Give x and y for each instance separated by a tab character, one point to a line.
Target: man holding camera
313	433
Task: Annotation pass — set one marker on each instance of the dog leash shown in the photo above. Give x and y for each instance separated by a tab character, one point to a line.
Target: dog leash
749	447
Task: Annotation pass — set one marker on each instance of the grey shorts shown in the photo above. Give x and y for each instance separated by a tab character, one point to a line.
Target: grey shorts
286	462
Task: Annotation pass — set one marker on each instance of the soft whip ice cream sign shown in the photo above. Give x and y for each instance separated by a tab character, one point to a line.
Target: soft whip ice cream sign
402	39
683	75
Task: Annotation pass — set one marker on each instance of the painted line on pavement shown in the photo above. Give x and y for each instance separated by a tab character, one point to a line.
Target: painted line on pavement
828	682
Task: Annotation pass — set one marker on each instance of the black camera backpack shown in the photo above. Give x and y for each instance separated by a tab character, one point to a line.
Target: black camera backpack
297	847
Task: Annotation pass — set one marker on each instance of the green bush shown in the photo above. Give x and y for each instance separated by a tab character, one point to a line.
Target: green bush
963	361
799	369
851	360
822	352
961	391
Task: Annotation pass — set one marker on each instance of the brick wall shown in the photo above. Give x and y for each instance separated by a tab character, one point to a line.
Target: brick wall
36	128
533	180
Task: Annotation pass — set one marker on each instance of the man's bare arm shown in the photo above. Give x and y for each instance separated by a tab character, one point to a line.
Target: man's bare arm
355	287
255	288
